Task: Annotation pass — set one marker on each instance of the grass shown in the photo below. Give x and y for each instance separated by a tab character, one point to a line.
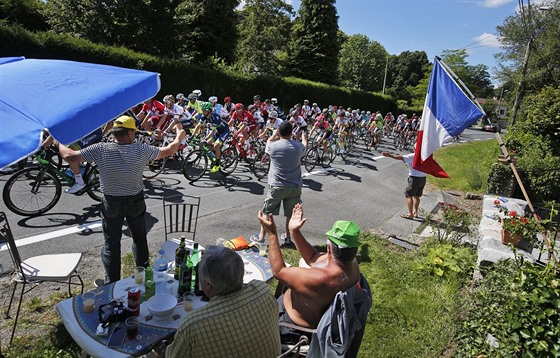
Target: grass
413	312
467	164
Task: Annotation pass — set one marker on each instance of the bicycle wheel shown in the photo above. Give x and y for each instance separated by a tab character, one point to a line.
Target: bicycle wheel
195	165
32	191
261	165
228	161
345	150
93	184
368	141
332	152
154	168
310	159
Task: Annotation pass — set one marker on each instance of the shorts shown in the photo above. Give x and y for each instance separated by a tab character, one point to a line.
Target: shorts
288	195
221	137
415	186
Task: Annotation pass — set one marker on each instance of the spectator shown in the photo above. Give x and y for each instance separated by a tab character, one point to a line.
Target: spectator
120	165
241	320
415	187
284	176
311	290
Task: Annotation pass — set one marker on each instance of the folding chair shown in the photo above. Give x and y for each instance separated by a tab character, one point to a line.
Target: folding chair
38	269
340	330
180	215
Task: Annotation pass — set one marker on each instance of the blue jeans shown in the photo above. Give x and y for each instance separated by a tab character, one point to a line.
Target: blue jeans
114	209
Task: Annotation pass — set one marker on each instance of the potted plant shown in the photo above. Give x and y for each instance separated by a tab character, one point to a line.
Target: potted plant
516	227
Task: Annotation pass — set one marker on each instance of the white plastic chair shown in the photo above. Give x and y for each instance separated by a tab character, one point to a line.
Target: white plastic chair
38	269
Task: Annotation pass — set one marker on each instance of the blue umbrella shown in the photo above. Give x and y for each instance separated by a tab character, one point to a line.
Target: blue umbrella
70	99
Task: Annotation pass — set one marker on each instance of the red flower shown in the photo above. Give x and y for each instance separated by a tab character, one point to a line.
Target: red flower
513	213
524	220
496	202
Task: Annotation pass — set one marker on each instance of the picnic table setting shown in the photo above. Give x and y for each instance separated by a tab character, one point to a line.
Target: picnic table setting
131	316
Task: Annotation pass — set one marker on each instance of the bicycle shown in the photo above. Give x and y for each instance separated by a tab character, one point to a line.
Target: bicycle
36	190
195	162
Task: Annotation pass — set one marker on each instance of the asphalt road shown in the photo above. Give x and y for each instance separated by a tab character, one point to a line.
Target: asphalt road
366	188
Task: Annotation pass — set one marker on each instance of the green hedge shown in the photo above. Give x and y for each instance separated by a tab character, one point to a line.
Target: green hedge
178	76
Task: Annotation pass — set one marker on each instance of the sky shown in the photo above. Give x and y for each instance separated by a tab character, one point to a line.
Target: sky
428	25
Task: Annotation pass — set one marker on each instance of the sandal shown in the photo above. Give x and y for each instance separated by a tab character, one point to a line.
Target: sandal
406	216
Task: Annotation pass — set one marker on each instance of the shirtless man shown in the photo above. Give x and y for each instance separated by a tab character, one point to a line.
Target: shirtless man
311	290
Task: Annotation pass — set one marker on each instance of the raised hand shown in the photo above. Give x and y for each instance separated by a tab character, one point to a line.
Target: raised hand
267	222
297	220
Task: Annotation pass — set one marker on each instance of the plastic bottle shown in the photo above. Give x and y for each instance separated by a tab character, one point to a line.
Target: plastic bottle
179	257
160	272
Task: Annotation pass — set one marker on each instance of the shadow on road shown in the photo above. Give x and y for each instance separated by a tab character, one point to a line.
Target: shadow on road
61	219
312	184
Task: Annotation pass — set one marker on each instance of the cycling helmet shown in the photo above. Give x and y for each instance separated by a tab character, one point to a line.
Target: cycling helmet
314	104
168	98
368	112
198	93
191	96
239	106
274	100
305	101
180	96
347	114
354	111
325	110
207	106
213	99
273	114
363	112
227	99
266	100
251	107
256	97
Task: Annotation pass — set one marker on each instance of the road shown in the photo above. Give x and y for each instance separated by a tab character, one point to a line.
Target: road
367	189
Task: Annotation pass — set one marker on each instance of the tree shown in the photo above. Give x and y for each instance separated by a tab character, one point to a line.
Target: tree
362	64
140	25
24	12
314	42
476	78
405	72
264	31
208	29
540	28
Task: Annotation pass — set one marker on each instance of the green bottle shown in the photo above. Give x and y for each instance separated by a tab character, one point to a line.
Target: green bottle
149	284
185	276
195	259
179	257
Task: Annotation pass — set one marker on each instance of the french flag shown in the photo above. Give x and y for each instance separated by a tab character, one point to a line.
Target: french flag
447	112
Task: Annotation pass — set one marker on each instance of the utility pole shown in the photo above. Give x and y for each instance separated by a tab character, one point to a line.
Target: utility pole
520	87
385	77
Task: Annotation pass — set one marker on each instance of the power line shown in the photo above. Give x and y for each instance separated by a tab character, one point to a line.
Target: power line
474	43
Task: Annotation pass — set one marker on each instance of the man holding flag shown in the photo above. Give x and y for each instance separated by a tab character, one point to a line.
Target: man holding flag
447	112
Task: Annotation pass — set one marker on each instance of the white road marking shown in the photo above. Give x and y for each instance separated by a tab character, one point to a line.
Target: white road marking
51	235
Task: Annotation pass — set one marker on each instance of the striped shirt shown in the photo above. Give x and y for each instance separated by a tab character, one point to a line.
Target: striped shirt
120	166
242	324
411	171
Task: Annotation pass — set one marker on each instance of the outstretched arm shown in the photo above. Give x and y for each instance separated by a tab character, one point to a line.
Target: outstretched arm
394	156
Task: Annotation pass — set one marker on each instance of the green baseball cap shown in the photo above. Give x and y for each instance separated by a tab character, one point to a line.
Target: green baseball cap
344	234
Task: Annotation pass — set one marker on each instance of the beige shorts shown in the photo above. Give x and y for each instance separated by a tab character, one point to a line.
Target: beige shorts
289	196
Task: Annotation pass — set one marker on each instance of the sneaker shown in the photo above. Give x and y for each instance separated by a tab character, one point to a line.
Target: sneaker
287	241
75	188
214	169
99	282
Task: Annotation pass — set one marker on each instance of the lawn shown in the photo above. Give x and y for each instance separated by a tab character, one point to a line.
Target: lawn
467	164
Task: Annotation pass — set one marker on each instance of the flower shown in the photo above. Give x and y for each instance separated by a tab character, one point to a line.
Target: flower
526	227
497	203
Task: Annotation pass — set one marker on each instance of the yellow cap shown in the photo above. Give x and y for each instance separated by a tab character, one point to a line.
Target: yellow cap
125	122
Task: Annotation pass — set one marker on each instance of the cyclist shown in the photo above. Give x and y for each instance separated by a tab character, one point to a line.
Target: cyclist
218	134
315	111
216	107
261	106
95	137
271	124
181	100
228	108
340	127
247	123
299	124
198	94
193	105
306	110
254	110
325	129
174	114
151	113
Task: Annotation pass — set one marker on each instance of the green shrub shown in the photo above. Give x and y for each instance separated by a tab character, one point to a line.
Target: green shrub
517	304
500	180
447	259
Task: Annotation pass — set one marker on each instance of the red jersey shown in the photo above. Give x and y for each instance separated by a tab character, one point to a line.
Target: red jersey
246	118
157	108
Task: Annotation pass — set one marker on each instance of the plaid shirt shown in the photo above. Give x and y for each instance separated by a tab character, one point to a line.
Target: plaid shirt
242	324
